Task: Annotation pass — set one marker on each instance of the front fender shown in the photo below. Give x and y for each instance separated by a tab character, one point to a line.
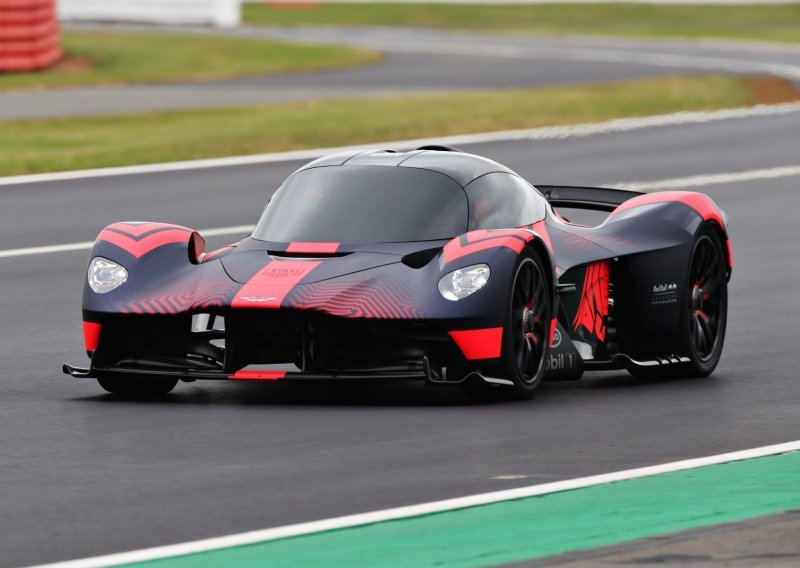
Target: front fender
163	268
500	249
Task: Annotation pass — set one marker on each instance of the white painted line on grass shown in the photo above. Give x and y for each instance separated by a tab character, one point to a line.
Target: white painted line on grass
86	245
710	179
533	134
254	537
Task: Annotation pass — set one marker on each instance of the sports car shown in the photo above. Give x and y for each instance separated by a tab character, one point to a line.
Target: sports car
433	265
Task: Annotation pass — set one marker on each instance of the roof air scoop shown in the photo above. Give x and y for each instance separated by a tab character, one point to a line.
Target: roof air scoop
440	148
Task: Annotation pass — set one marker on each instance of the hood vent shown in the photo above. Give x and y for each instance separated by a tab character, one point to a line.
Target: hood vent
315	255
420	258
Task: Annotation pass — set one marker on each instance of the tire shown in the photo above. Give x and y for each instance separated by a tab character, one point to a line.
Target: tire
704	312
526	334
138	386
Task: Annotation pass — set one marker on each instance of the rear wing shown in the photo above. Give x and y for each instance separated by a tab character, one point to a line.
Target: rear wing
594	198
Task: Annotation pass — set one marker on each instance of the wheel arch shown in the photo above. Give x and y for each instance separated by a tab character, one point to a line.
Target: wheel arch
538	245
541	248
727	249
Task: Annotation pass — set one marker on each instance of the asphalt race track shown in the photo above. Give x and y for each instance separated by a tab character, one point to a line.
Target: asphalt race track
422	60
86	474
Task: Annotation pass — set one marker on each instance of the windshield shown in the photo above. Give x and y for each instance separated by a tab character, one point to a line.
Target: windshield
365	204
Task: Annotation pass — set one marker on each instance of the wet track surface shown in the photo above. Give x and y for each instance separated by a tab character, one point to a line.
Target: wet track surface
85	474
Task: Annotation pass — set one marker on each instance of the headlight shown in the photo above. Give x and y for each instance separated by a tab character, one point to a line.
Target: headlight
463	282
105	275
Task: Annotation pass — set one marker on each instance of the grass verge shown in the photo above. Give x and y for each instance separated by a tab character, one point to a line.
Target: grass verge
752	22
97	58
41	145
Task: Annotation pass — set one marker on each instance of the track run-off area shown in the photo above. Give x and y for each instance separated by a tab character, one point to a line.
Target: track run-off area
512	525
88	475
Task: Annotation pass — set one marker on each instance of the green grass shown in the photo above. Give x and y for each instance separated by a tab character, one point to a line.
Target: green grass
771	23
96	58
41	145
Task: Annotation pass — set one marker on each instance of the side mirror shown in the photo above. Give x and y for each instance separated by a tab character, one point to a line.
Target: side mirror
197	248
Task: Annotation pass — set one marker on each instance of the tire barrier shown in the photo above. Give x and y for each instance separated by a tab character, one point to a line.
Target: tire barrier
29	35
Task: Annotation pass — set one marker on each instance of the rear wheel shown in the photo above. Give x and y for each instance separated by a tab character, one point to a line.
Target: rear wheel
706	307
704	310
138	386
526	334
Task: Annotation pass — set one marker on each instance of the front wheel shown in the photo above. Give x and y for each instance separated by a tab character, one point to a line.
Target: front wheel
138	386
526	333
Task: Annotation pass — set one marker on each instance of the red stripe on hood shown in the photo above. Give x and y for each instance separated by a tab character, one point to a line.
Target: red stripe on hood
312	248
272	284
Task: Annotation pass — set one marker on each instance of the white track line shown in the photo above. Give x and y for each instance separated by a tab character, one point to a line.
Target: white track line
254	537
710	179
86	245
534	134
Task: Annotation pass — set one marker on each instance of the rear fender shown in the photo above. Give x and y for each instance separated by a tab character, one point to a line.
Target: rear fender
651	286
700	203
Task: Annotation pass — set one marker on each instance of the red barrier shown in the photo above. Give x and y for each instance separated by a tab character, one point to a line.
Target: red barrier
24	4
32	32
27	17
31	48
29	37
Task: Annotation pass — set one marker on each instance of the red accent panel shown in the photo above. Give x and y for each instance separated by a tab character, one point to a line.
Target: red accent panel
593	307
479	343
271	284
242	375
140	239
484	239
697	201
312	248
553	325
541	230
91	334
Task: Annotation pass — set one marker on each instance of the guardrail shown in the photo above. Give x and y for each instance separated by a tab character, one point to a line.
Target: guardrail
29	36
220	13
